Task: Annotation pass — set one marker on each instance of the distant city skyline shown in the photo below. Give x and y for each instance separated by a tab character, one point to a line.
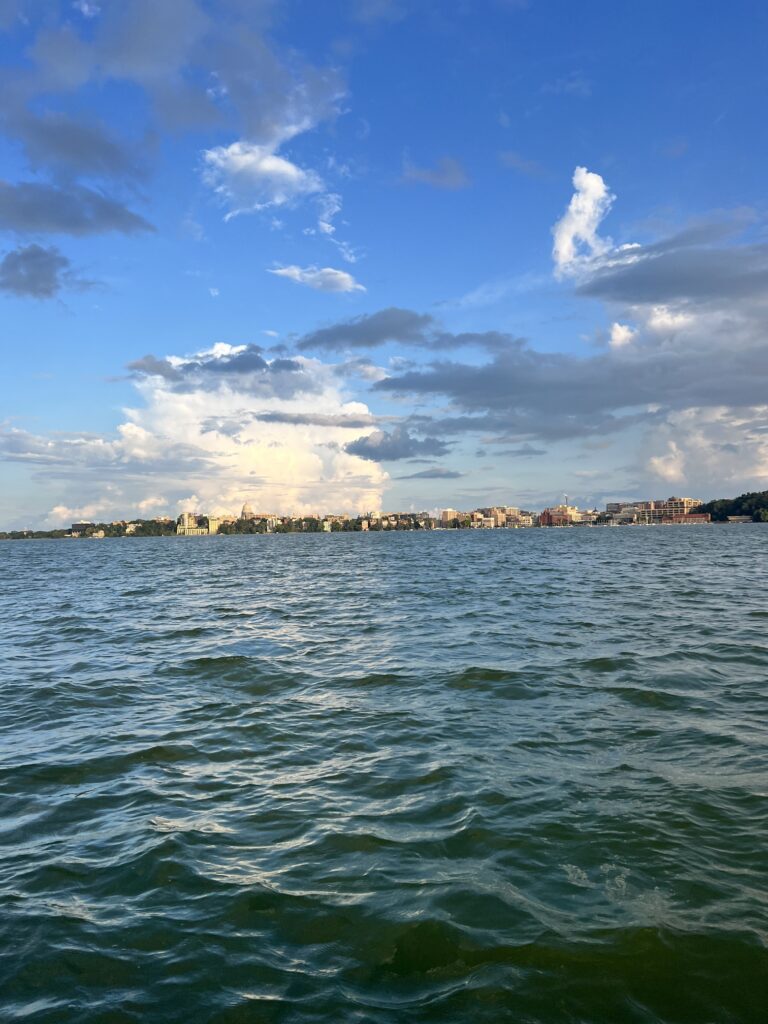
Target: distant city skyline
242	259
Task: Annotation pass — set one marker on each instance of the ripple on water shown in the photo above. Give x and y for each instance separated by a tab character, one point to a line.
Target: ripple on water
453	777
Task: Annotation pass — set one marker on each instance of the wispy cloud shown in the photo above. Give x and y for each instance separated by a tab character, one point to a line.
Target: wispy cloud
448	173
516	162
438	473
573	84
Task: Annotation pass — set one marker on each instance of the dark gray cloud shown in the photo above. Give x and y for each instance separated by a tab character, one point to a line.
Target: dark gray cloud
71	147
315	419
250	360
684	269
526	451
528	394
285	365
403	326
391	324
32	271
383	446
448	174
37	208
438	473
198	69
151	366
246	370
232	426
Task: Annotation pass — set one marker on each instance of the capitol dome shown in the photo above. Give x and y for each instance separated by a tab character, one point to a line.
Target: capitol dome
247	512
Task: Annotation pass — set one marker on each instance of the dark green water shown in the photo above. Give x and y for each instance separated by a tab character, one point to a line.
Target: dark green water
511	776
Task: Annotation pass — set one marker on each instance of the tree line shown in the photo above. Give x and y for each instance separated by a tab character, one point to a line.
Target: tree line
753	504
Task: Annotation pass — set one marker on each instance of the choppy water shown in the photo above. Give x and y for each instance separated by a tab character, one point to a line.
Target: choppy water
517	776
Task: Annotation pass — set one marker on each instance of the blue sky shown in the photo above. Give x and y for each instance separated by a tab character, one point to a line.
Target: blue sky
396	254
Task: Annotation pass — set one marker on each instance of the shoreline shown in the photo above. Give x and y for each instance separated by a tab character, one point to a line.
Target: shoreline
436	529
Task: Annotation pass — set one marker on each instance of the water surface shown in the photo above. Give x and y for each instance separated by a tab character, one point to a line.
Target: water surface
509	776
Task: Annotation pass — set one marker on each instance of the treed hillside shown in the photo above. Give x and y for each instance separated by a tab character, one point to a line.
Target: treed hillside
754	504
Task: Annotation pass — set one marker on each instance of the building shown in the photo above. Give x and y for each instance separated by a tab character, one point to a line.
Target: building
247	512
560	515
78	529
448	516
649	513
188	525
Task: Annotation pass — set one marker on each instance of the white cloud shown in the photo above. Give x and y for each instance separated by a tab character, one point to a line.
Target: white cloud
330	205
250	177
214	293
323	279
621	335
87	8
64	515
669	467
719	447
216	444
151	504
575	234
662	318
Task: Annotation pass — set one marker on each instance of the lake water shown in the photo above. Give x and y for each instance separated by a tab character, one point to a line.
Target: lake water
459	777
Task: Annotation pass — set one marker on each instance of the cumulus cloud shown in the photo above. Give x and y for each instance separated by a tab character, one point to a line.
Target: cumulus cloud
383	446
448	174
621	335
322	279
202	435
36	272
662	318
670	466
251	177
243	368
38	208
575	234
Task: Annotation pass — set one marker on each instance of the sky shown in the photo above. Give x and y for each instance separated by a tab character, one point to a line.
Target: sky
379	254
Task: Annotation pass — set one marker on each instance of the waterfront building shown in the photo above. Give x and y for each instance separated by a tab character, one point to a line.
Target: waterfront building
188	525
560	515
80	528
448	515
648	513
